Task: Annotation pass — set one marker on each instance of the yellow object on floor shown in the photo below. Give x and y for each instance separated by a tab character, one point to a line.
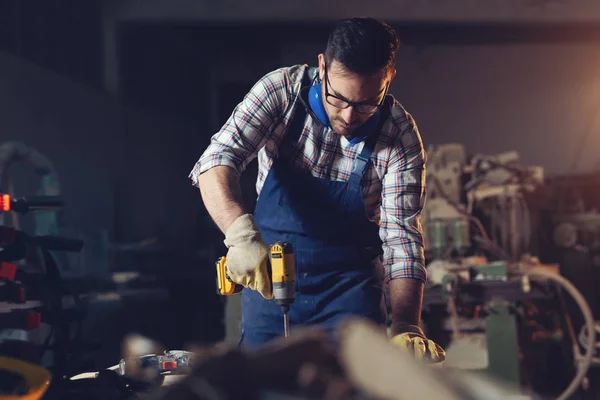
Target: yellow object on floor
37	378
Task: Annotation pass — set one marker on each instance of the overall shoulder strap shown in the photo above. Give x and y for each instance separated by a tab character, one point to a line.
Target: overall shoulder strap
296	126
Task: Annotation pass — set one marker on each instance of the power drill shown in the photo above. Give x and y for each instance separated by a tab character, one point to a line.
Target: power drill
283	279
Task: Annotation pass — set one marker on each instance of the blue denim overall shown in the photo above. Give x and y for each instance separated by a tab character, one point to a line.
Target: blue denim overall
334	245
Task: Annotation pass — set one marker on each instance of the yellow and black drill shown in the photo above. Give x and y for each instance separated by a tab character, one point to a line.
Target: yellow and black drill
283	279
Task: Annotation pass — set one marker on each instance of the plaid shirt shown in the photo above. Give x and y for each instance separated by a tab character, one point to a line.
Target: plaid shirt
393	185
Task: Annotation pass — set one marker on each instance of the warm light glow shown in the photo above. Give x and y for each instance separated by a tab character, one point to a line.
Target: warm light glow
5	202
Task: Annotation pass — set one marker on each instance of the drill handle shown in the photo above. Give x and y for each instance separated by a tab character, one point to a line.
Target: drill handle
225	286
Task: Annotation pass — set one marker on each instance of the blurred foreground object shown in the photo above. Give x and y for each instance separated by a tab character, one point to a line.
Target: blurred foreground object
135	350
363	365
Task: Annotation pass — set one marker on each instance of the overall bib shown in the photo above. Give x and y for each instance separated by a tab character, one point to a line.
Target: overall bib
334	244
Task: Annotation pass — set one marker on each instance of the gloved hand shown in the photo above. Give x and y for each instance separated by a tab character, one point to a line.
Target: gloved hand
248	256
413	339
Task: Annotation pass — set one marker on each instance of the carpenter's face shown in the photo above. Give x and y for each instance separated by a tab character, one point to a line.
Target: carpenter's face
350	99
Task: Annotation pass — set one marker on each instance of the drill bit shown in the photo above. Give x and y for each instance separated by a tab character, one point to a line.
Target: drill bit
286	324
286	320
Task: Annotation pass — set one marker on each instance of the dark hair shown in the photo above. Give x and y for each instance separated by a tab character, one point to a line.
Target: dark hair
363	46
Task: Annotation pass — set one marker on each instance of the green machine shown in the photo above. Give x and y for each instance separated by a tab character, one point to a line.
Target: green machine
448	235
500	321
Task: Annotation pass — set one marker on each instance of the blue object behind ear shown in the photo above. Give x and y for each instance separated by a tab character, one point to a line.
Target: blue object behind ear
316	105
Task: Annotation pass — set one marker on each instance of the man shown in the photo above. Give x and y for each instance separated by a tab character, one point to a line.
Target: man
341	177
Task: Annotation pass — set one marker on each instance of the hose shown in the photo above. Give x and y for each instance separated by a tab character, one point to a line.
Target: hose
586	360
583	339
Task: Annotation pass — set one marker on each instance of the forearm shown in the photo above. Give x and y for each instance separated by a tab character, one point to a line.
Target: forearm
406	299
222	195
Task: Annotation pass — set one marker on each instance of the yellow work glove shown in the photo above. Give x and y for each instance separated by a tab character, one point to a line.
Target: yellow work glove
413	340
248	256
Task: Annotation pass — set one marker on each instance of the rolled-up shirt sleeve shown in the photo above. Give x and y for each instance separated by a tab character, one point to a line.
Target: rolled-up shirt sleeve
248	127
403	198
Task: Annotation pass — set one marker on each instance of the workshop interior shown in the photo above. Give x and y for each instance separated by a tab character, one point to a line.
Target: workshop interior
111	274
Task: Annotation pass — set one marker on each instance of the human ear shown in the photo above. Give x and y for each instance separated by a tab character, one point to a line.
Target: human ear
321	66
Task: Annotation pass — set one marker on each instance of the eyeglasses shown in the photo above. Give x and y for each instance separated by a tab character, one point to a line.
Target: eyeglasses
361	107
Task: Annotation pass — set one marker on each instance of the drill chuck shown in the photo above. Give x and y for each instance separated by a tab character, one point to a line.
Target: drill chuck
284	293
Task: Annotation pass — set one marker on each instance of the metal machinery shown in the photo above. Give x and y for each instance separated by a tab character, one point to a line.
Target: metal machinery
575	204
489	300
38	261
40	318
46	222
30	298
55	294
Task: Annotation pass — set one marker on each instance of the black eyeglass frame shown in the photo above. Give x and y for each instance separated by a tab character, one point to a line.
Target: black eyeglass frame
357	105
